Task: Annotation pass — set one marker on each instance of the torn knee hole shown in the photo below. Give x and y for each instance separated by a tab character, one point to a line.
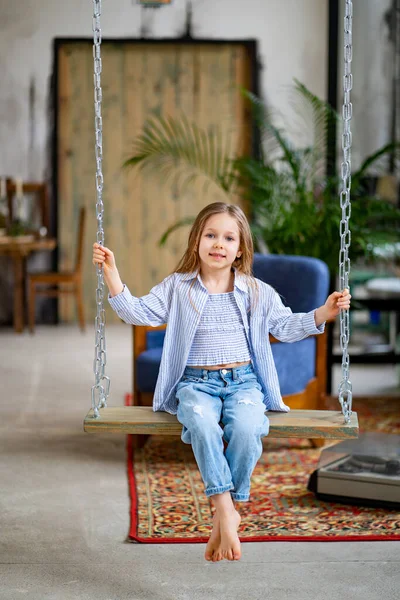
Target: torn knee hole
198	410
247	400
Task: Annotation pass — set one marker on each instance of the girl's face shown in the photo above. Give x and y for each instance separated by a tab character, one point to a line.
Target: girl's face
219	242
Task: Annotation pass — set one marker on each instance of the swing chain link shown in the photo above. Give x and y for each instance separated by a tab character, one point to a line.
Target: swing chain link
101	387
345	387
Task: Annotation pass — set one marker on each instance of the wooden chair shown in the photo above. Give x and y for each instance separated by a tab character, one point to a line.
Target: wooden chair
55	284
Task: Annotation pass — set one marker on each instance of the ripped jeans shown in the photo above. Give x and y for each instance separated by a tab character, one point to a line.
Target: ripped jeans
234	398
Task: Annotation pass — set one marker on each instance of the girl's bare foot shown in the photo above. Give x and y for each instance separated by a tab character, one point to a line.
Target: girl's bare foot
230	543
213	551
224	540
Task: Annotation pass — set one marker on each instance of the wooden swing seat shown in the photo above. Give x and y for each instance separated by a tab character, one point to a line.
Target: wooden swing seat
308	419
309	424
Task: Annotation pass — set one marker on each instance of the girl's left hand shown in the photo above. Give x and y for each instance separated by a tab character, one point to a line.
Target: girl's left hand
337	302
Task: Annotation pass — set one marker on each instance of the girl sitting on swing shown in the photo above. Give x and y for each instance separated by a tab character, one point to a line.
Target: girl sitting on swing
217	366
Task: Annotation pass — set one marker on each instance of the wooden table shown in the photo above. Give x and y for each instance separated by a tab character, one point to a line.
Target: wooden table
18	249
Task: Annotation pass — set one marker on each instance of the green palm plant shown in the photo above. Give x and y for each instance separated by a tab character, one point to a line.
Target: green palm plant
295	204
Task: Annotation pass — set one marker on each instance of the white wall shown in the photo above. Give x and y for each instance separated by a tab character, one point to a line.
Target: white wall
372	77
292	37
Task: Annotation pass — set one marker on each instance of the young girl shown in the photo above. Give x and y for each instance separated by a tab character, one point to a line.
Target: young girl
217	366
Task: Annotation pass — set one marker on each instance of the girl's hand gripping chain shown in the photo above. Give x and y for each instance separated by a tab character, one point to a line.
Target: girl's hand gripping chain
335	303
104	256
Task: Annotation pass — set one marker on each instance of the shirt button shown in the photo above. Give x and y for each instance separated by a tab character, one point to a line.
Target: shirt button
224	371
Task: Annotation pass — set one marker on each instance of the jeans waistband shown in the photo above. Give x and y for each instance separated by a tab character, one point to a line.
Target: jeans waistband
234	372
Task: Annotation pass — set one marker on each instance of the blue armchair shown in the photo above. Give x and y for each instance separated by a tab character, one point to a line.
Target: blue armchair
303	284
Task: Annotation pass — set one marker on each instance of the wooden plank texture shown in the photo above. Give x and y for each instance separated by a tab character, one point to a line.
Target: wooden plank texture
317	424
201	81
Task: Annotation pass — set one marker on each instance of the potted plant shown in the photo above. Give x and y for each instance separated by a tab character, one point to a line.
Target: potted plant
294	202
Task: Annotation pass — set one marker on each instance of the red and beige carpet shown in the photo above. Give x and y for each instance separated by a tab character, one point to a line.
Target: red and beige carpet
168	504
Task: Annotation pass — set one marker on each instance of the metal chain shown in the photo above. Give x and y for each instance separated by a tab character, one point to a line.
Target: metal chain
345	387
101	387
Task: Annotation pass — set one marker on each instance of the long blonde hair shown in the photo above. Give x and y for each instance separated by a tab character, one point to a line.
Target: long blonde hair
190	261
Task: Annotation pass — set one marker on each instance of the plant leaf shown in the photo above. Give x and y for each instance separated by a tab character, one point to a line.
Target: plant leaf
174	227
176	146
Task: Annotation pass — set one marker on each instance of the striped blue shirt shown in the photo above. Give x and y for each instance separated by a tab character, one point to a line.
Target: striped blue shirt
179	300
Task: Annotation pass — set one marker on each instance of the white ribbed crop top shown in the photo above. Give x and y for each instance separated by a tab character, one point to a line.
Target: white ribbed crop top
220	336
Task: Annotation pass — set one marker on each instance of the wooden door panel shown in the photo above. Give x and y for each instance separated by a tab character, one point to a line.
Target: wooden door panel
201	81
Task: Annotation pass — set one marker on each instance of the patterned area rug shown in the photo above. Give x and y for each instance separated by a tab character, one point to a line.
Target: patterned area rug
168	504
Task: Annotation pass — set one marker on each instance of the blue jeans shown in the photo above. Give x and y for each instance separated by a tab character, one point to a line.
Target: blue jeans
233	398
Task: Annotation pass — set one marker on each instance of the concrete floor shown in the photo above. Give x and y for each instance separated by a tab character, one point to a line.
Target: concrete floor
64	499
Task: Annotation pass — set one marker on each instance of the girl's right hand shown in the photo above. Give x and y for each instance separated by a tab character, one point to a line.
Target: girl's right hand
104	256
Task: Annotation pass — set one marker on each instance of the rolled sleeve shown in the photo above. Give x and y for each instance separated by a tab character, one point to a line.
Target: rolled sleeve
309	324
121	300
